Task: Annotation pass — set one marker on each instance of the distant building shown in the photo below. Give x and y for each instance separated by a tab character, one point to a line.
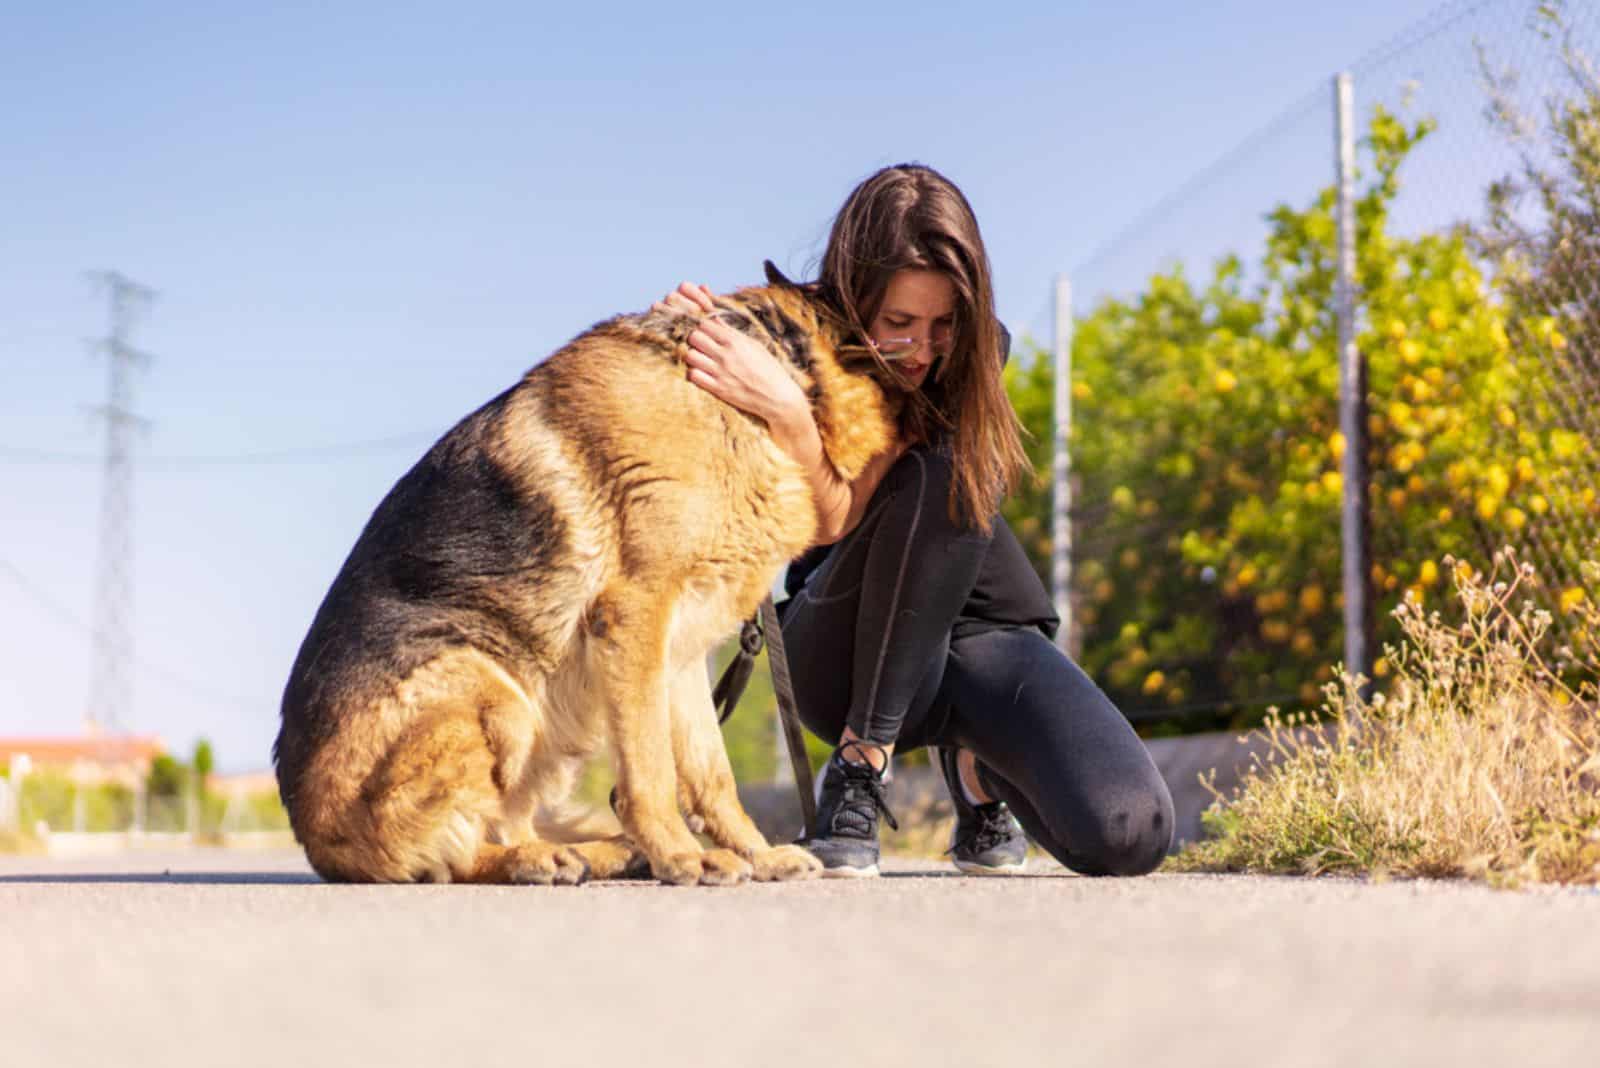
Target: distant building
88	758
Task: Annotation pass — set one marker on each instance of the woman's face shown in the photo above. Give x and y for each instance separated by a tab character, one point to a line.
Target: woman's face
916	322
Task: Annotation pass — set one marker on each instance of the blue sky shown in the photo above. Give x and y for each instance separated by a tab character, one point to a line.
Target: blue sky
363	220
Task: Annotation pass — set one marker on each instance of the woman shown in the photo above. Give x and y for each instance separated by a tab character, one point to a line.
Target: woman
916	619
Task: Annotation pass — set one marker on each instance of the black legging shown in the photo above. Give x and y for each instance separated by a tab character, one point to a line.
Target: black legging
877	639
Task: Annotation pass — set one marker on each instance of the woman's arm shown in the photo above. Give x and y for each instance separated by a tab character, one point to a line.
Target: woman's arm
738	370
840	504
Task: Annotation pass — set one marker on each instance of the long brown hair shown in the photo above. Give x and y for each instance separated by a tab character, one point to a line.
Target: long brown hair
911	216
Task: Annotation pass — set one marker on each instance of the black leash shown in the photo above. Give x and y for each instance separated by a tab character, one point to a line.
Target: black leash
725	696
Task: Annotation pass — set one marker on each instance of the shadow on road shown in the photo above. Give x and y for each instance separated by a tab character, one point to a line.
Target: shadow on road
217	878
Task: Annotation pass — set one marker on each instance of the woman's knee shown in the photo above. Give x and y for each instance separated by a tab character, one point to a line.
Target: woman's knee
1130	832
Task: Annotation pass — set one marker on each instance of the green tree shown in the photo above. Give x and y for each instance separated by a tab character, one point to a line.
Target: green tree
1542	234
166	778
1207	451
203	762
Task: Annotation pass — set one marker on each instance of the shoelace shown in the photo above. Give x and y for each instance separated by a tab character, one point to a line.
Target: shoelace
994	828
861	793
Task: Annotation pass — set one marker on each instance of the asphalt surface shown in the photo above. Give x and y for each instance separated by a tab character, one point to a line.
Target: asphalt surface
246	959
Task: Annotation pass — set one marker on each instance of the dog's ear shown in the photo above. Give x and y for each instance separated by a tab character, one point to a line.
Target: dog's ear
776	277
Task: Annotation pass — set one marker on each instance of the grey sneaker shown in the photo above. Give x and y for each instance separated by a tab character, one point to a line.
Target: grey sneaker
987	839
849	801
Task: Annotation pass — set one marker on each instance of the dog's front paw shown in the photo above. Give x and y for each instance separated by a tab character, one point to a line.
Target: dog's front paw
679	869
784	863
724	867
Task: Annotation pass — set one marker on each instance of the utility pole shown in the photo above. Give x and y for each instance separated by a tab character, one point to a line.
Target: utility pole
110	675
1354	514
1061	473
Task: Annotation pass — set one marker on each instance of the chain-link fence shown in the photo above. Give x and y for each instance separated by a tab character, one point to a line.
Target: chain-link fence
1206	442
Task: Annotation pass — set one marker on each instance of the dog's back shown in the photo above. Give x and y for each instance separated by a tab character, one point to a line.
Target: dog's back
452	678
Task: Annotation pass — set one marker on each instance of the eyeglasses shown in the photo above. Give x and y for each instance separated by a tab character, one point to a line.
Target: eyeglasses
900	348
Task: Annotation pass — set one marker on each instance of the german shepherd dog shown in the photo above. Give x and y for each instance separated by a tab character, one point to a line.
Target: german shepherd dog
549	578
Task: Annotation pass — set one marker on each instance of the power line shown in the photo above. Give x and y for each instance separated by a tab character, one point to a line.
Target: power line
178	462
69	618
1429	26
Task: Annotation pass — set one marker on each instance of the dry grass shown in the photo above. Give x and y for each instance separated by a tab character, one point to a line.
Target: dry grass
1481	759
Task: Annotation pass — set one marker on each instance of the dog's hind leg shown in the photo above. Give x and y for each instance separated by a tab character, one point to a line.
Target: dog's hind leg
446	800
628	651
706	785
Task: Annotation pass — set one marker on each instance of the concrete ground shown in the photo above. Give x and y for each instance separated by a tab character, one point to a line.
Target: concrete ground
239	958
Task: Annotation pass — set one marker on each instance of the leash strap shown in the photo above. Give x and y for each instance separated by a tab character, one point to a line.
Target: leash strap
725	697
789	715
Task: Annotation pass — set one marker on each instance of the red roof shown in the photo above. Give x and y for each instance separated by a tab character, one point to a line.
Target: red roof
94	748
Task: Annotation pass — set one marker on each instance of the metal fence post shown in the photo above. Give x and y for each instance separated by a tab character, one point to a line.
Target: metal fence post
1354	513
1061	473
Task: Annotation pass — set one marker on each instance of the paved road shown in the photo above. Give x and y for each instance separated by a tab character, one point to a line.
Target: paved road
245	959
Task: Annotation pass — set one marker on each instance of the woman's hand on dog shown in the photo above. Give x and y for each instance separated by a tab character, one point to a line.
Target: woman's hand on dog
690	298
738	370
731	365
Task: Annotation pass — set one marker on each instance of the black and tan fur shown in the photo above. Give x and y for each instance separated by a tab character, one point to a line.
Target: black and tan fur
548	580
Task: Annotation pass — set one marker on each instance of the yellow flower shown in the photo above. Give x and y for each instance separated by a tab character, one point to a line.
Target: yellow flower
1539	504
1397	329
1437	319
1524	469
1564	444
1428	574
1153	682
1381	667
1336	445
1275	631
1488	505
1397	499
1312	600
1268	603
1571	598
1558	340
1304	643
1516	518
1225	381
1081	390
1410	352
1247	575
1506	416
1446	514
1333	482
